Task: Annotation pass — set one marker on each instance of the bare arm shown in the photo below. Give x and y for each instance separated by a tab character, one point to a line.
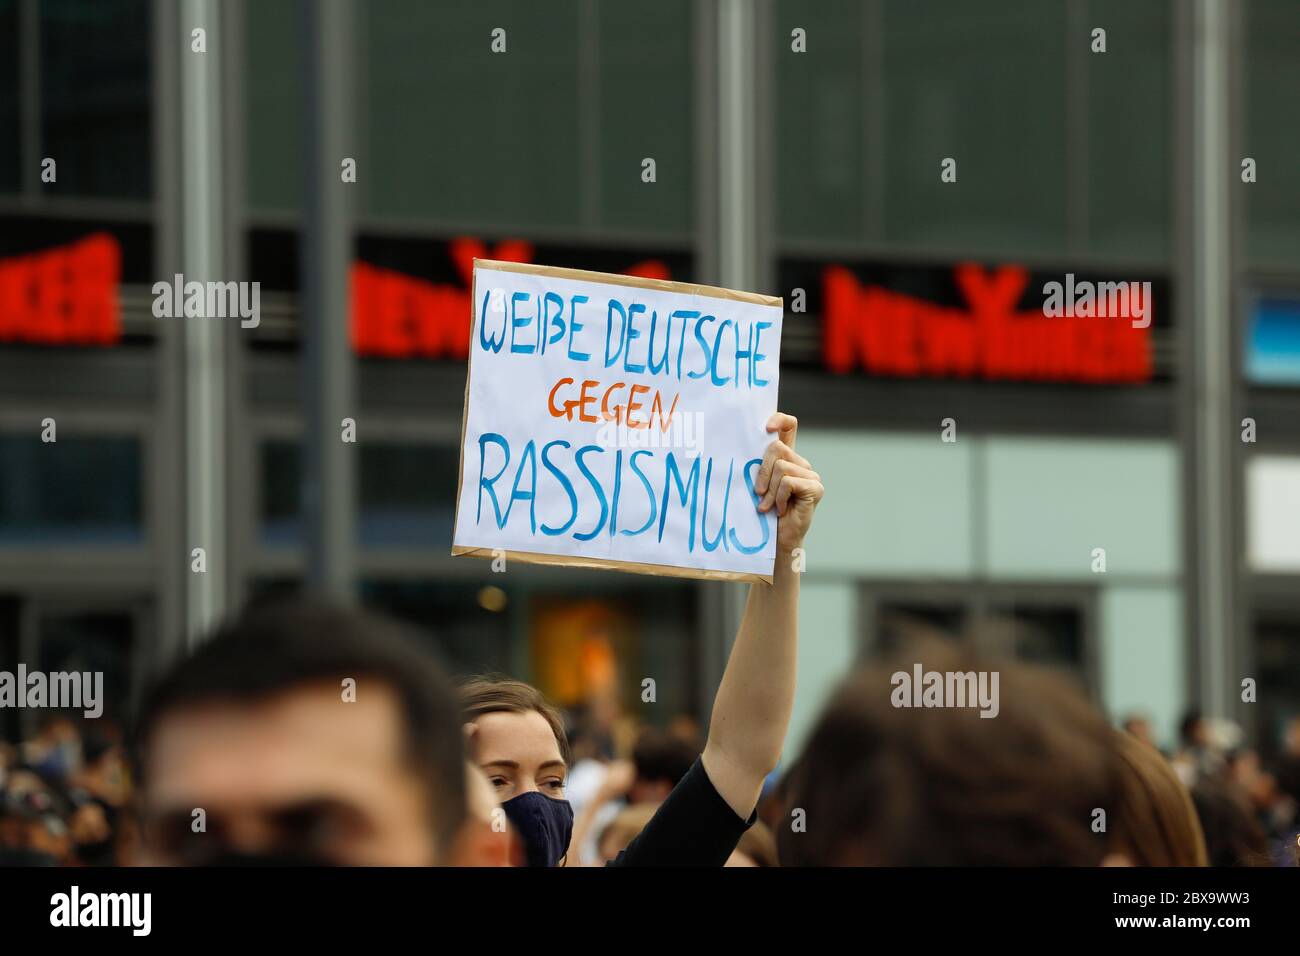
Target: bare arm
751	711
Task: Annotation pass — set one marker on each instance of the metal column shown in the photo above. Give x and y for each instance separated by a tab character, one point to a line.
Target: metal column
1210	272
737	144
329	500
735	177
203	339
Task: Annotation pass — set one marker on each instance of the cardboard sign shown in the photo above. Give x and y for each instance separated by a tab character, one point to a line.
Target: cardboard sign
617	422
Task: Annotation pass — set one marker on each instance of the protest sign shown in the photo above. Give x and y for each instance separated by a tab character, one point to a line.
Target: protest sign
617	422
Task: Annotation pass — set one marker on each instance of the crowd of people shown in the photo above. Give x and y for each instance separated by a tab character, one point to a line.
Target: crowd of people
874	785
299	733
65	796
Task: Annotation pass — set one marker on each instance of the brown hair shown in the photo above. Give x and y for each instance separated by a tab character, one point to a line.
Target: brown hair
1154	823
625	826
880	784
495	694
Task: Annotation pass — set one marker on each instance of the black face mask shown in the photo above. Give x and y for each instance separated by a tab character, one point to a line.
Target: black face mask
544	824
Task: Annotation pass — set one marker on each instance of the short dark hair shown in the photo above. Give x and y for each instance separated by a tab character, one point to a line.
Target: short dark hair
886	785
661	756
280	646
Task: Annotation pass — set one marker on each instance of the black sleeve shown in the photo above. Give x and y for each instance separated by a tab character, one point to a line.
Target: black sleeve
693	827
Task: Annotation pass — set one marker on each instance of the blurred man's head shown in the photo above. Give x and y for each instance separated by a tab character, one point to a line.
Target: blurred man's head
661	760
880	784
303	734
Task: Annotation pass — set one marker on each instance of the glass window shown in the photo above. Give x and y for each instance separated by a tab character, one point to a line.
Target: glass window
1041	628
1051	634
95	96
273	97
901	621
1124	198
92	640
1272	135
72	491
817	139
983	84
10	140
644	87
281	484
470	623
551	133
406	493
1277	659
458	132
1272	347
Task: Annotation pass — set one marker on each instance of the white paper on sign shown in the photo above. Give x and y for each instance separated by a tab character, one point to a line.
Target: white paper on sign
615	421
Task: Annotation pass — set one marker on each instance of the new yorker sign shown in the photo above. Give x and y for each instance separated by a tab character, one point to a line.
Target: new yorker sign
999	323
1002	326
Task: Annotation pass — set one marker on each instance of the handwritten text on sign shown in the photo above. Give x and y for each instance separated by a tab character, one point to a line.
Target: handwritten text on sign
617	422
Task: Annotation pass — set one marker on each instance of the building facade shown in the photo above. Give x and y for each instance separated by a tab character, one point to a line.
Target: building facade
1038	494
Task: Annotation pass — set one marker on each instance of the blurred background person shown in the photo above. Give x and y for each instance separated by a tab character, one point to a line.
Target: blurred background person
879	785
485	838
614	835
1233	837
33	825
1199	751
260	731
660	759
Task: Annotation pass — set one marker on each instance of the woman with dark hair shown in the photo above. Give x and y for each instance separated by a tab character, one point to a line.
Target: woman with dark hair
517	737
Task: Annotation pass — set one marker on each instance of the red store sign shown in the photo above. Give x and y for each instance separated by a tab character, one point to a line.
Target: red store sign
397	316
63	296
69	296
889	334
